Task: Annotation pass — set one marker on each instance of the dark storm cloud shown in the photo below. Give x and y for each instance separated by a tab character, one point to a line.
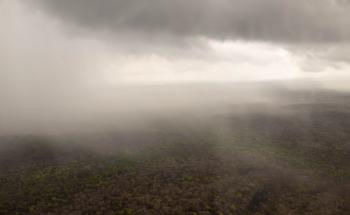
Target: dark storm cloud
269	20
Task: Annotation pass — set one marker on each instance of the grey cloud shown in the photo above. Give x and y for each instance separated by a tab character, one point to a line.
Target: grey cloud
322	57
340	54
309	21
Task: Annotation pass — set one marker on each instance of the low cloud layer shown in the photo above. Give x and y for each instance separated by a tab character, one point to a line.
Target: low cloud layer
86	60
310	21
319	28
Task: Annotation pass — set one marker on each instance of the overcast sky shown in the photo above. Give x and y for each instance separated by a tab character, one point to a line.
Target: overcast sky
65	48
146	41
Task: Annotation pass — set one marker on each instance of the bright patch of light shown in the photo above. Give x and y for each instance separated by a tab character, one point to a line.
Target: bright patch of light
228	61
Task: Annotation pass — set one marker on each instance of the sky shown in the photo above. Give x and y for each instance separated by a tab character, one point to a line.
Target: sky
54	51
160	41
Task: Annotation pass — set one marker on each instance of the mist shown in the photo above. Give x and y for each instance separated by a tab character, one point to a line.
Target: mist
174	107
62	72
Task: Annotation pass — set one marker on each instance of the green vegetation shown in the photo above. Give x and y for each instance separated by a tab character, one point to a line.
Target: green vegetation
254	165
55	185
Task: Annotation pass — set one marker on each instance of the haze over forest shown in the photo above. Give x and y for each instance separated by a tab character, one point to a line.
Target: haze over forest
174	107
